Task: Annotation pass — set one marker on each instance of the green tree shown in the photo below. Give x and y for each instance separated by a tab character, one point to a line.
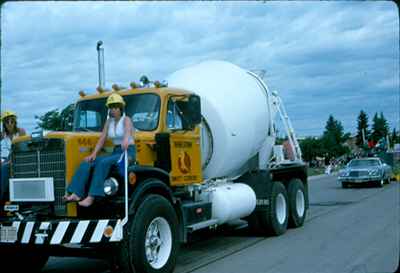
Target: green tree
311	147
362	128
57	121
394	138
380	127
333	138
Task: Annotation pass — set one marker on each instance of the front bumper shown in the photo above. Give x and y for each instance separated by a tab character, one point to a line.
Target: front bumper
359	179
62	232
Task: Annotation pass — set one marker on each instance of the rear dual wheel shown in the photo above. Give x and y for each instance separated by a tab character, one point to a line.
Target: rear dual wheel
274	219
297	203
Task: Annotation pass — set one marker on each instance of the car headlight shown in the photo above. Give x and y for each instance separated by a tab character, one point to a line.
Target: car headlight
374	172
344	173
110	186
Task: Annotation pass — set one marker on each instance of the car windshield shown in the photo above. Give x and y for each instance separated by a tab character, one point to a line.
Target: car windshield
364	163
143	109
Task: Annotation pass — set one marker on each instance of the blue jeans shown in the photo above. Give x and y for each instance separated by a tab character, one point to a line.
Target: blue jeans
5	175
102	166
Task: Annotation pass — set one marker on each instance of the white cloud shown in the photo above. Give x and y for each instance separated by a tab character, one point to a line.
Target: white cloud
315	53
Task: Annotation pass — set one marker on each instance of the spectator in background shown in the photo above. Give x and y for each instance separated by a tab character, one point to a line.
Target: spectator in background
10	130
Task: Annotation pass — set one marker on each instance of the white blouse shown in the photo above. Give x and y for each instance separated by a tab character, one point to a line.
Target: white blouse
116	132
6	146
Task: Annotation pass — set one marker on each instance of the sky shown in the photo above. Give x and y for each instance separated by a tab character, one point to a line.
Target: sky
323	57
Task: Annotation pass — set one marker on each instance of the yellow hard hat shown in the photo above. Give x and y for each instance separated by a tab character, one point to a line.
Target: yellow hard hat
115	99
7	114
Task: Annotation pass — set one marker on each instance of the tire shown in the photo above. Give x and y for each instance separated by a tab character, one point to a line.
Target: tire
345	185
274	220
22	261
380	183
152	244
297	203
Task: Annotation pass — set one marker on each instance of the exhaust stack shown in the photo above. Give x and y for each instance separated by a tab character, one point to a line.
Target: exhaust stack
100	58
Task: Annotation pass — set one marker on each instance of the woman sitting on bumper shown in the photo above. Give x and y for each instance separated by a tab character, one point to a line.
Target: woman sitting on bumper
119	129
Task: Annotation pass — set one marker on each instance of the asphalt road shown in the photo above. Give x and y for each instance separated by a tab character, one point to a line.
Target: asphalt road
351	230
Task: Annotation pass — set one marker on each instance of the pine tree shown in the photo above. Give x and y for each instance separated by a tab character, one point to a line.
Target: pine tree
380	127
394	137
362	125
375	128
384	124
333	138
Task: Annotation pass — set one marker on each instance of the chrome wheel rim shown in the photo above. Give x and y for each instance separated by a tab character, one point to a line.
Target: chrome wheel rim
280	208
158	242
300	203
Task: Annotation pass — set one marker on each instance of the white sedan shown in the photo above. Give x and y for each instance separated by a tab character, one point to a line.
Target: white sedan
365	170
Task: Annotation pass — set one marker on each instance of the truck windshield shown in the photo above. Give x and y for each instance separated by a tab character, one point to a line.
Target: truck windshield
364	163
143	109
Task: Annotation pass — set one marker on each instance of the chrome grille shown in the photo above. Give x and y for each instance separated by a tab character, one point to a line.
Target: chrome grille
42	161
358	173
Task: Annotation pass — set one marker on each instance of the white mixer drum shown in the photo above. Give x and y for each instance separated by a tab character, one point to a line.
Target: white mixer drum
235	109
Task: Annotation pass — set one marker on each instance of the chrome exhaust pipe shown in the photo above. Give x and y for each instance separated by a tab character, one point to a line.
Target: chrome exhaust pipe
100	59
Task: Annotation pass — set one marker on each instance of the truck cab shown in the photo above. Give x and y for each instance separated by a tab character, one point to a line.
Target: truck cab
167	139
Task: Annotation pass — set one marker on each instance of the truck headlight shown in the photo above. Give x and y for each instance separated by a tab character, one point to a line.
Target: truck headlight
110	186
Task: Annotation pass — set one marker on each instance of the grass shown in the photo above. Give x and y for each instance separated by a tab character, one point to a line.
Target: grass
315	171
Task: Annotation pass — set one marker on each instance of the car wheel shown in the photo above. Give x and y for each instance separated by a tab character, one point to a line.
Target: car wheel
345	185
380	183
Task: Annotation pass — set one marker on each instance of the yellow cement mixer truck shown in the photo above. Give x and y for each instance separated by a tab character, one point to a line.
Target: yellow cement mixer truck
206	156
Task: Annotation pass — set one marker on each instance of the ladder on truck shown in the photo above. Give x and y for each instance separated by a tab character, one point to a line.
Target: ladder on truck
277	103
294	144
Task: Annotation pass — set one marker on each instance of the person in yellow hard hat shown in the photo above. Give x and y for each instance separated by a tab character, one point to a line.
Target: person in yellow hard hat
10	130
119	129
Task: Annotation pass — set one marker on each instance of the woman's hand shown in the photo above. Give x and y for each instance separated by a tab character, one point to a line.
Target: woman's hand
90	158
125	144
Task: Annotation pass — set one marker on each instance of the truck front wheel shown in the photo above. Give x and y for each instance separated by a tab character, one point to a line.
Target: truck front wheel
153	236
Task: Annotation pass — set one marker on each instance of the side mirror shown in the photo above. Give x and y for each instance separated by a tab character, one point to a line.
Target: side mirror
191	110
194	109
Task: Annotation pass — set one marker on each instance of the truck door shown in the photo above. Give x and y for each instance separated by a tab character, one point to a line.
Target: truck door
184	147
